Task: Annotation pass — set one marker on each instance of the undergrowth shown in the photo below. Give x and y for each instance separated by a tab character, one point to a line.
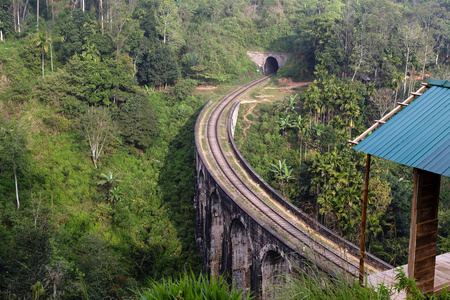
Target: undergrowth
190	287
310	283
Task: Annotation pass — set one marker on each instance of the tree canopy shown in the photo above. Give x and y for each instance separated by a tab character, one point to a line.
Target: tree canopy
138	121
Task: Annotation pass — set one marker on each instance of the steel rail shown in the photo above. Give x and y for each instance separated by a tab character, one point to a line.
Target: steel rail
325	254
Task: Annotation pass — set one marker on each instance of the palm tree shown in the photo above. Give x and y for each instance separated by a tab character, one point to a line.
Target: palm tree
312	98
42	40
396	83
322	169
37	16
350	110
301	124
318	129
307	134
1	30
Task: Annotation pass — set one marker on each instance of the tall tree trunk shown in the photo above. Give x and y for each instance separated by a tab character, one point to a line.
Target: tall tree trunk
316	206
406	70
17	188
53	13
42	59
359	64
51	56
165	27
14	14
37	16
301	144
412	80
100	11
24	11
109	11
306	149
1	35
424	61
18	17
134	65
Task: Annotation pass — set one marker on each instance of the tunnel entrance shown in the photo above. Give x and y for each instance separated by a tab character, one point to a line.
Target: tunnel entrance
271	65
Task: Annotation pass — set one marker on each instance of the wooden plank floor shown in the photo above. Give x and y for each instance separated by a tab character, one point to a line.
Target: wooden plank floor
441	277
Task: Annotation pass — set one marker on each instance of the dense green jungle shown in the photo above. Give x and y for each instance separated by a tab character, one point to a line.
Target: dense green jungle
98	101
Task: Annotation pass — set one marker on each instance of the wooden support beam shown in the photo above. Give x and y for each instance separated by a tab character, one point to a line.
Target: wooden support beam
416	94
380	121
402	104
352	143
362	246
424	226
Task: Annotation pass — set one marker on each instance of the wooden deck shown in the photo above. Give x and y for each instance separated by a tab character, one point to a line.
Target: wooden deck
441	277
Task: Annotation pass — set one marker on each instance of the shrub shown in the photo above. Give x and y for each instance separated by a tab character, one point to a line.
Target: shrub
188	287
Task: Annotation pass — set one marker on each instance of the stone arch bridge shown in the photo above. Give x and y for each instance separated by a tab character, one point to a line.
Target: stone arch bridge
244	228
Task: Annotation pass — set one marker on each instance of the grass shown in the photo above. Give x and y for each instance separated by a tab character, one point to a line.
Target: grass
190	287
310	283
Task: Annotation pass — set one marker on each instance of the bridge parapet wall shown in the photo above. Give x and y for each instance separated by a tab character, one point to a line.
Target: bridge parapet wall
324	231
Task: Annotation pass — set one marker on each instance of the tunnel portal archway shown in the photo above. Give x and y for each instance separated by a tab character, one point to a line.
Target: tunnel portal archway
271	65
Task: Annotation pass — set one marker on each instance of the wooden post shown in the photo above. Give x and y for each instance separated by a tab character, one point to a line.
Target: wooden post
424	226
362	246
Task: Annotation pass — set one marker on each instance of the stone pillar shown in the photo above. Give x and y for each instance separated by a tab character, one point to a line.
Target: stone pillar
424	226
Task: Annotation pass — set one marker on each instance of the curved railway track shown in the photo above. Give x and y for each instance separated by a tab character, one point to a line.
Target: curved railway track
332	259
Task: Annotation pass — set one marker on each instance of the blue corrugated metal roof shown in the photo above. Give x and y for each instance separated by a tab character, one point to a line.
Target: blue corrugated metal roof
419	135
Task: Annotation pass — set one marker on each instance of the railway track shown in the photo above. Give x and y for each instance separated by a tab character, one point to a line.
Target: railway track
325	254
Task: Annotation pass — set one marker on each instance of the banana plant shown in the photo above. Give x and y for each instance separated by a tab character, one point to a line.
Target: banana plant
283	173
285	123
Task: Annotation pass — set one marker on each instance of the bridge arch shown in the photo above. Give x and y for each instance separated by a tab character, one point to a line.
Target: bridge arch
241	256
274	267
216	234
271	65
